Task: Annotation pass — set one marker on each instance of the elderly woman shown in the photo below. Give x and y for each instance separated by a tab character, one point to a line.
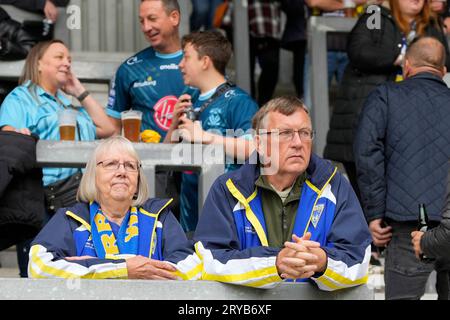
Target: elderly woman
115	231
33	107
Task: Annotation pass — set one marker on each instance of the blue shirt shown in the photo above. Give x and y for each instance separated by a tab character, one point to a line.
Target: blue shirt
30	106
149	82
115	228
232	111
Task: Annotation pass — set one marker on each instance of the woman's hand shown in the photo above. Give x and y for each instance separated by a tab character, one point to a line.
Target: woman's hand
140	267
50	11
25	131
73	86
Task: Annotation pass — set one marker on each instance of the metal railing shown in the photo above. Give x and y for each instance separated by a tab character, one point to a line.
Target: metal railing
317	50
93	67
208	160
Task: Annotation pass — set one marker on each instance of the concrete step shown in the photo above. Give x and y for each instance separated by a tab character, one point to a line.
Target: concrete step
8	258
9	273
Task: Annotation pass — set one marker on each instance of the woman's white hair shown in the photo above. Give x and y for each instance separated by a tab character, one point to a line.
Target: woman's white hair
87	191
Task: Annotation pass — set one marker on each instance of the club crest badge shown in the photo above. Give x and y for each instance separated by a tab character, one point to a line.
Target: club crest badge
317	213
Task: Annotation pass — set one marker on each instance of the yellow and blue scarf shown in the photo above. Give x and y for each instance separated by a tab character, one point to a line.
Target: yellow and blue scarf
134	236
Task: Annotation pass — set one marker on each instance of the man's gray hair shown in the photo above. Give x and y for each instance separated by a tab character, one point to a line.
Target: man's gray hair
285	105
88	192
169	5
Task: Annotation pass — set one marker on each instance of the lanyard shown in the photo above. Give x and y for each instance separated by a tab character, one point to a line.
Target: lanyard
222	89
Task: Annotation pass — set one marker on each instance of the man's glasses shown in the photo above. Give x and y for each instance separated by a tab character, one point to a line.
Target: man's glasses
131	166
305	135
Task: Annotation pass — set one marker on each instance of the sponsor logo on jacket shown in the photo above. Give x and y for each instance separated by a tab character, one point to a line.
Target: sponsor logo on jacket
133	60
171	66
148	82
249	229
317	213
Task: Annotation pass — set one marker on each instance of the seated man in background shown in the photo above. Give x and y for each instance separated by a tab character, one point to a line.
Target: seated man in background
251	215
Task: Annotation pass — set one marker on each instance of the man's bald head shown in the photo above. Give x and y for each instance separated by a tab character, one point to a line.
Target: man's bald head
426	52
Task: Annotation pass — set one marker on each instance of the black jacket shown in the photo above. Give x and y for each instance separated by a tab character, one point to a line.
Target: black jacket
372	54
15	42
22	208
402	148
295	28
436	242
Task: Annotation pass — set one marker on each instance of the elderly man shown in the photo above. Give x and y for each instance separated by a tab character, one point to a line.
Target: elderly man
283	193
402	148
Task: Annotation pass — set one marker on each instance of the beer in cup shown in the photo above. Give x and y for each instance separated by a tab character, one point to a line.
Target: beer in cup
131	124
67	119
349	8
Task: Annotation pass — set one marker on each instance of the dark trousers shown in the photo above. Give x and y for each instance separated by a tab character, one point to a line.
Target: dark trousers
168	185
267	52
350	169
5	88
23	250
443	279
203	14
298	49
405	276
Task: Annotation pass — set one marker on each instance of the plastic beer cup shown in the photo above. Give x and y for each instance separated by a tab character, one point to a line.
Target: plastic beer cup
131	124
67	120
349	8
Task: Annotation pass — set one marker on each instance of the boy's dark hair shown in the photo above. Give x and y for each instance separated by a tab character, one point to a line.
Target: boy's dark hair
212	44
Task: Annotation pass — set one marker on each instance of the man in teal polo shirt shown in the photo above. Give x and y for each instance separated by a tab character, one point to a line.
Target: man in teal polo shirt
150	81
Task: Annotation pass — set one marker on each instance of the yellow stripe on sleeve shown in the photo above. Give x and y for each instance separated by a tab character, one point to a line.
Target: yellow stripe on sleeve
248	212
80	220
270	271
61	273
191	274
343	280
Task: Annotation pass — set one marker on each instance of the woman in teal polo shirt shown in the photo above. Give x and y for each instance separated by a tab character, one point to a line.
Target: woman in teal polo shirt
32	107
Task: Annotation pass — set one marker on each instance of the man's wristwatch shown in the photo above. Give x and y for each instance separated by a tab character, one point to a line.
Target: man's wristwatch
82	96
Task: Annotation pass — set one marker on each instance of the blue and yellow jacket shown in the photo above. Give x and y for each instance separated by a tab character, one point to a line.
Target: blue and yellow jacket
68	234
231	236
